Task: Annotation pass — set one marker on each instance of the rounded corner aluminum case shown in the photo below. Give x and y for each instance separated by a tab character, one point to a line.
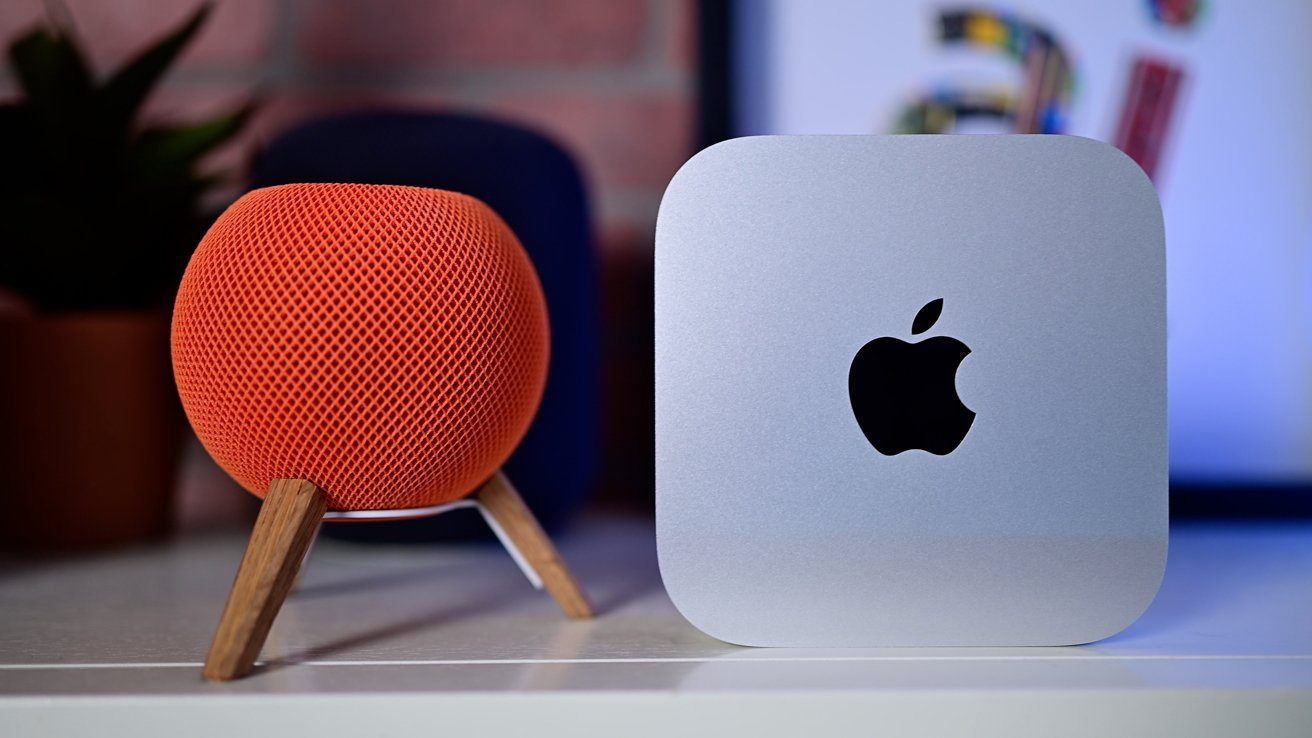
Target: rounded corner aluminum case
778	523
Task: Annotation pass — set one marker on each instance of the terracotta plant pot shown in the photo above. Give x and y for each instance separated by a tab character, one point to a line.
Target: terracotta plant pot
89	430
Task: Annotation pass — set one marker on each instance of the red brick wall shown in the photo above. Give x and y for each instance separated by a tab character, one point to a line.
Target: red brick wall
610	79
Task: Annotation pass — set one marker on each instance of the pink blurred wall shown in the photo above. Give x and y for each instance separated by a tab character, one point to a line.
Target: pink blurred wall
610	79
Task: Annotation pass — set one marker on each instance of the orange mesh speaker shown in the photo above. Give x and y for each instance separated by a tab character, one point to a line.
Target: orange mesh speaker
387	343
344	347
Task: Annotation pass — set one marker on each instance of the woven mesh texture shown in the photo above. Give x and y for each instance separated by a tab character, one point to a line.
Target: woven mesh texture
387	343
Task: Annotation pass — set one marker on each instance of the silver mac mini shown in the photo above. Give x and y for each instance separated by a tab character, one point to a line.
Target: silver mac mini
911	391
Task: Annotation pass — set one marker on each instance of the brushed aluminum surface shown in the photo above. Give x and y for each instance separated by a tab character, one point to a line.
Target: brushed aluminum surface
778	523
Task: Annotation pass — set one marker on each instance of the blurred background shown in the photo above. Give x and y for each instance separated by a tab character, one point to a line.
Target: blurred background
1210	97
176	113
611	82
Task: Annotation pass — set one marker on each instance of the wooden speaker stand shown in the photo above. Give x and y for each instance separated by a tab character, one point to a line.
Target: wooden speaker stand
284	530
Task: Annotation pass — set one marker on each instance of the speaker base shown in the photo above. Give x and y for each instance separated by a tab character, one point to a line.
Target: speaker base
414	513
285	531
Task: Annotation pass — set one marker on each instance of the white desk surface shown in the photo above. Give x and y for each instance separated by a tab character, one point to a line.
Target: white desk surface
389	640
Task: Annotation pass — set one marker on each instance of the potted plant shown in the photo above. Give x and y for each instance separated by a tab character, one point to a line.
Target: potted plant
98	216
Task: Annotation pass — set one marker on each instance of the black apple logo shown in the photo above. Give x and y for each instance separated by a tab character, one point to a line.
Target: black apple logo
904	395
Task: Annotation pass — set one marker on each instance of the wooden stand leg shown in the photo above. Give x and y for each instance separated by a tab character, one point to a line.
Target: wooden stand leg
504	504
283	531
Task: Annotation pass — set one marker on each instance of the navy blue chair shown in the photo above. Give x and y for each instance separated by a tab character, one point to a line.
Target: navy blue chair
537	189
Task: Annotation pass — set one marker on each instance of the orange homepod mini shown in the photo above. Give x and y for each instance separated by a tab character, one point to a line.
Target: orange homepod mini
360	351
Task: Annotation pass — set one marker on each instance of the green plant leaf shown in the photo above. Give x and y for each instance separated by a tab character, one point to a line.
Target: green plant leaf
52	73
125	91
166	156
94	212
